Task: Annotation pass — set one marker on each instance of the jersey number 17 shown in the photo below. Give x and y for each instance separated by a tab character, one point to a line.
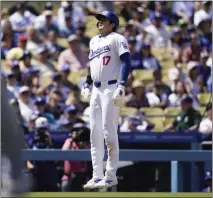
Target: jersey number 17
106	60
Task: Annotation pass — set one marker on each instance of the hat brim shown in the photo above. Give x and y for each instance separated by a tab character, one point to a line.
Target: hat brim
99	16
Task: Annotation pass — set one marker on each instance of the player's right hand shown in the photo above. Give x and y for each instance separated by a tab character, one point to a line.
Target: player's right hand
85	92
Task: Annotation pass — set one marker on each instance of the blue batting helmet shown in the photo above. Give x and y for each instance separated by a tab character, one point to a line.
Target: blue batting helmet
109	15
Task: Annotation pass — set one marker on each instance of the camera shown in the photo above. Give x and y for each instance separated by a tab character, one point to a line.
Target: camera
41	140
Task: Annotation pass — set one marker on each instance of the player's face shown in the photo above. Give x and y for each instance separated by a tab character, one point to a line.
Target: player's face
104	26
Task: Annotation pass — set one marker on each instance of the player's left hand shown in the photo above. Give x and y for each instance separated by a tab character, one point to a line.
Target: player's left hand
118	96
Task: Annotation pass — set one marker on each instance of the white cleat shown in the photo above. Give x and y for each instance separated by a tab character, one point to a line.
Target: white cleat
106	183
91	184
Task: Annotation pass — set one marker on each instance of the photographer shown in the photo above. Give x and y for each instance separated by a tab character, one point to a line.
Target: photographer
75	173
45	172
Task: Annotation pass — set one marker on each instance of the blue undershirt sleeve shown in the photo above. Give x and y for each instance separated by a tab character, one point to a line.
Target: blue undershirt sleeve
125	67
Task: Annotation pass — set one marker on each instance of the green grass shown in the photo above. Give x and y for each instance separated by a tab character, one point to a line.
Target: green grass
116	194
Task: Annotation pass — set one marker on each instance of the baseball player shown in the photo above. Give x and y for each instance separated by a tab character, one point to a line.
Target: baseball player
108	72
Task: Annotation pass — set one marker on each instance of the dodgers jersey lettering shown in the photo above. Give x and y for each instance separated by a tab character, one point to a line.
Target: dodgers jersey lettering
104	56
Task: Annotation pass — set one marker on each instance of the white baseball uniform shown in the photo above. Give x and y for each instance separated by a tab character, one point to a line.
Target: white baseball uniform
105	67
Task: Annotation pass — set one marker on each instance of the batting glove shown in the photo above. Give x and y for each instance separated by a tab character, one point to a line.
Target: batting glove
118	96
85	92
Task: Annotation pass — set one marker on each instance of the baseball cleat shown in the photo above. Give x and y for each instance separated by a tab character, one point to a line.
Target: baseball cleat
91	184
106	183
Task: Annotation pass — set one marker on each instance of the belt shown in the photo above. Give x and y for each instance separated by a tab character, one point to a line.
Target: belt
98	83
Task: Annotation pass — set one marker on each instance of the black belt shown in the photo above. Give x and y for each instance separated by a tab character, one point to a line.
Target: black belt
98	83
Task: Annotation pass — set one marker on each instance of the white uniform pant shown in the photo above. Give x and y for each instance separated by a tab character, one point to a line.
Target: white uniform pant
104	117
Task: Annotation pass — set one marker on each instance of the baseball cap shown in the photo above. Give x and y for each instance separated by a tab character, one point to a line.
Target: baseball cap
56	77
41	122
48	6
47	13
208	175
191	65
40	101
131	39
155	15
71	109
24	89
14	64
140	9
22	38
145	45
25	55
173	74
64	4
186	99
182	23
40	50
175	31
66	67
72	37
10	74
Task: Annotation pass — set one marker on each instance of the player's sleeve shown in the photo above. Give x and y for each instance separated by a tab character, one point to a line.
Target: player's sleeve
121	45
122	49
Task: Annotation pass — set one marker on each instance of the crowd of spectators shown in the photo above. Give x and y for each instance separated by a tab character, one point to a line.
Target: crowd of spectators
32	56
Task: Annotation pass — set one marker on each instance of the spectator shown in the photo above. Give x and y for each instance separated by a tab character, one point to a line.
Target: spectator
65	72
25	103
96	7
45	64
208	182
17	52
76	13
158	33
75	173
202	20
84	40
175	44
57	84
192	51
157	98
48	6
74	56
66	29
194	81
11	85
176	97
53	106
40	105
136	61
187	119
206	124
157	78
74	98
70	117
21	19
53	47
148	60
15	68
25	62
45	173
45	23
203	13
34	42
8	39
183	10
140	16
162	7
138	97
